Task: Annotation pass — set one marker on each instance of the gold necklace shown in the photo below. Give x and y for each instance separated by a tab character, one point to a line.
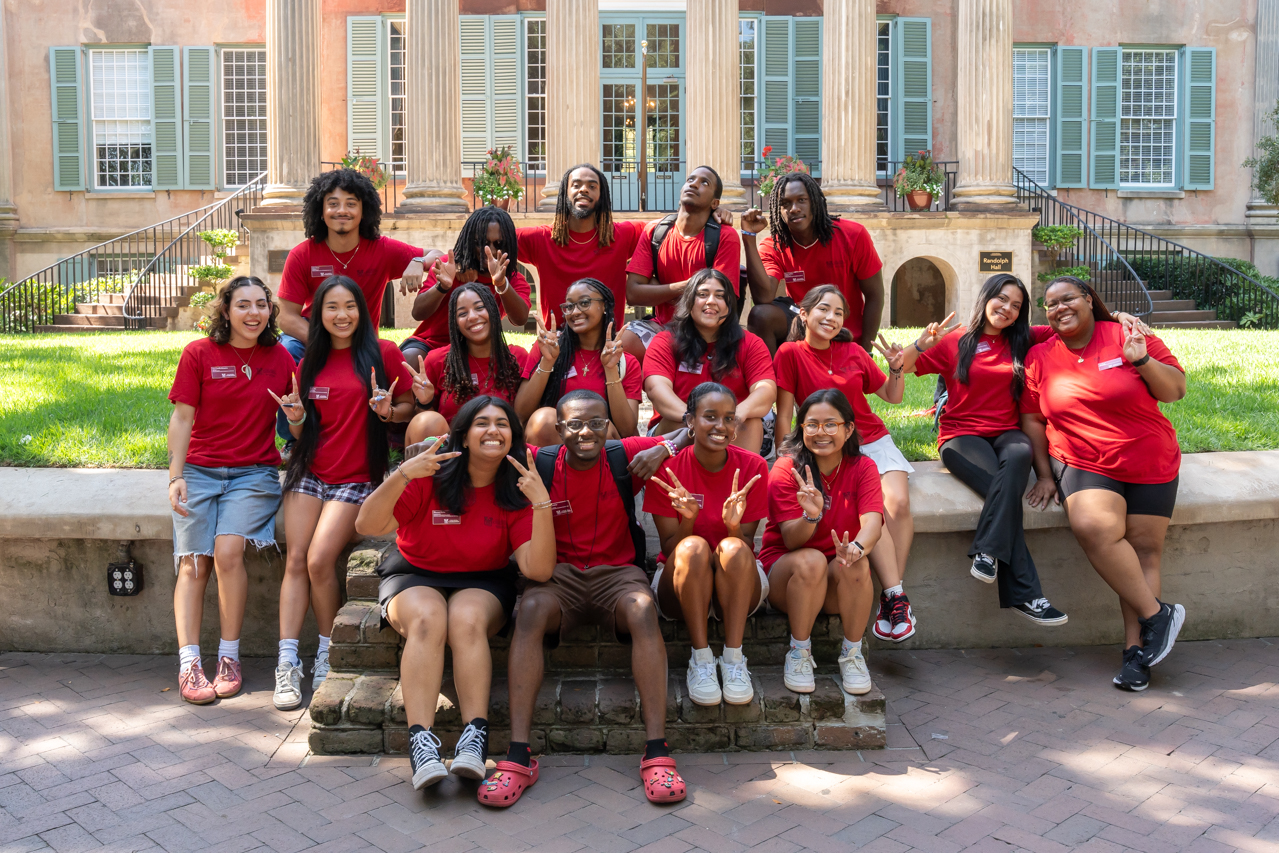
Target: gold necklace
586	368
585	242
830	365
834	475
339	260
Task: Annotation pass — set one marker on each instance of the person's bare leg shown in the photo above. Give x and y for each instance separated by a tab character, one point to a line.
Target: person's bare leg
797	586
883	561
474	616
686	587
1098	520
188	597
852	595
771	323
425	425
332	534
539	615
632	344
737	587
636	614
667	426
897	517
1146	534
420	616
540	429
750	435
301	514
233	585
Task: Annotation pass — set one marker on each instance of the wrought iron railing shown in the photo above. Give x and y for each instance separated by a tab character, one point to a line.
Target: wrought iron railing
113	267
1095	248
168	275
751	170
390	190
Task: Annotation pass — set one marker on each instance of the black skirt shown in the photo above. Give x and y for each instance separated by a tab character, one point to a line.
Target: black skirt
398	574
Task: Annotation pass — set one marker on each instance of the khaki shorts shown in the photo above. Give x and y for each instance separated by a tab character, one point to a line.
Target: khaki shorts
589	596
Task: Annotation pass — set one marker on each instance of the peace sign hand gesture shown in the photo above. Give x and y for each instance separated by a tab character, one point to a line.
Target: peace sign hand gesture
530	482
808	497
612	354
892	353
291	403
496	264
681	500
1134	344
548	341
934	332
380	402
735	505
846	552
753	221
426	463
423	390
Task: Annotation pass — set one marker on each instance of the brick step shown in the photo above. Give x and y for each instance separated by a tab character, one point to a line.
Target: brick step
1160	295
1164	317
68	328
107	308
89	319
1173	304
1198	324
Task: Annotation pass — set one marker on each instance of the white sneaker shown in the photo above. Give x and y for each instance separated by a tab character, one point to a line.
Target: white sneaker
468	758
854	673
799	671
738	689
319	671
703	686
288	687
424	759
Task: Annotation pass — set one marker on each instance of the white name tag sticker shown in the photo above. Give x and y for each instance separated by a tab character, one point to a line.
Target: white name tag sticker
475	379
1106	365
701	500
562	508
321	272
439	516
687	367
797	275
317	393
826	501
223	372
984	346
572	371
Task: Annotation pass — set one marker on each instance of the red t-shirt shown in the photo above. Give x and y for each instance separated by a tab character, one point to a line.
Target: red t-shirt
711	490
559	266
234	415
592	379
680	257
591	528
445	403
481	539
341	398
853	490
371	266
434	330
984	406
754	364
1101	416
850	257
802	370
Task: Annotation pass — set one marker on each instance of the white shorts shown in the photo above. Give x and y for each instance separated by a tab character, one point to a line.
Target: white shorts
763	593
886	456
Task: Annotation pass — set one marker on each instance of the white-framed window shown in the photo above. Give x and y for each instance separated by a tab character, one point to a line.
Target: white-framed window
535	94
1148	118
883	94
243	115
747	31
120	106
1031	111
396	41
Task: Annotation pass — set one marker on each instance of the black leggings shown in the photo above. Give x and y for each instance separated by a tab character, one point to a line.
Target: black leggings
998	468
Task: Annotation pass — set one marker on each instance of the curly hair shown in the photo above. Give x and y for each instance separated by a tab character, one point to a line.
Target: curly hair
504	370
823	222
341	179
603	209
220	312
569	344
468	251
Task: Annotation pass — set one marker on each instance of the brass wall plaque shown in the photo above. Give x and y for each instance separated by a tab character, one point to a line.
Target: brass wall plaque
275	260
995	262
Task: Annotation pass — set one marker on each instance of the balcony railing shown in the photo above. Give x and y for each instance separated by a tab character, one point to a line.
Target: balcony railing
530	184
751	170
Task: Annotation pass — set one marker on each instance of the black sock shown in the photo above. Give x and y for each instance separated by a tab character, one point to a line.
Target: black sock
414	730
656	748
483	725
519	753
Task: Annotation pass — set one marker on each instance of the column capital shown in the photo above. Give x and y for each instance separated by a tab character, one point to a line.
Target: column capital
984	104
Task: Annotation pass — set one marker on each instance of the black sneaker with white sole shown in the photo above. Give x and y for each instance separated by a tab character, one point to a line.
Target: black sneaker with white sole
985	568
1134	675
424	759
471	752
1041	612
1159	632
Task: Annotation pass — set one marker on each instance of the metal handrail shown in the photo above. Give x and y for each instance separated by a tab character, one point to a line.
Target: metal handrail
186	239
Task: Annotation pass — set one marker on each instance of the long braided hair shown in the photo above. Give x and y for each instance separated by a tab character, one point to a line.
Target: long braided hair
823	222
603	210
468	251
504	369
569	344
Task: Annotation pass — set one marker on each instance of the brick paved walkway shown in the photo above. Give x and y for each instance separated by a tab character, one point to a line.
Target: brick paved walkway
989	750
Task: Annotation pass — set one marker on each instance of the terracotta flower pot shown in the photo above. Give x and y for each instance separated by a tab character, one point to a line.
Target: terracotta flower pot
503	203
919	199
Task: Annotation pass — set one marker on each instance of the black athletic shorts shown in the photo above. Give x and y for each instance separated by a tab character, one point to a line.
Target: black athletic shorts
788	305
1142	498
397	574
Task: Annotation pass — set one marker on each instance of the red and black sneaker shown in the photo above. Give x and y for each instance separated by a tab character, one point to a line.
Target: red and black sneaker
902	617
883	627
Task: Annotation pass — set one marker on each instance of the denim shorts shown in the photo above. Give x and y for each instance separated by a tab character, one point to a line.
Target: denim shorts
226	502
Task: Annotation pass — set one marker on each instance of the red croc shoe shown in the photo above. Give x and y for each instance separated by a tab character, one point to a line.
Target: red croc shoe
507	784
662	782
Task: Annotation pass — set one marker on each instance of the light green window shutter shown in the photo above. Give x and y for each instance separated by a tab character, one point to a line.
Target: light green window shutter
68	155
365	103
914	83
806	123
474	32
1071	116
166	119
505	76
1199	108
776	85
1105	118
197	110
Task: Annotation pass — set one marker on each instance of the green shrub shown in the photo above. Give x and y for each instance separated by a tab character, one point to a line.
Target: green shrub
199	300
1056	237
1212	286
212	272
221	240
1081	273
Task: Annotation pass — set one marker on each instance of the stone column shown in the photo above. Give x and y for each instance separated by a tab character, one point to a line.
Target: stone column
8	210
1265	94
714	93
293	99
850	41
572	89
984	114
433	84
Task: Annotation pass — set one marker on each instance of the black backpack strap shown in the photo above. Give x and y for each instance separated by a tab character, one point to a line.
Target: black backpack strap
711	233
615	452
544	461
660	231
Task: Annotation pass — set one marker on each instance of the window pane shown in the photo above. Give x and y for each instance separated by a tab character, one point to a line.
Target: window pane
619	126
243	115
883	94
618	49
1148	117
397	40
663	45
120	100
746	61
535	100
1031	86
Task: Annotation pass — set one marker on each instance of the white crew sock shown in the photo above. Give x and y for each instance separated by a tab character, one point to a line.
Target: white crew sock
703	655
289	653
850	647
732	655
187	655
229	649
323	650
805	645
893	590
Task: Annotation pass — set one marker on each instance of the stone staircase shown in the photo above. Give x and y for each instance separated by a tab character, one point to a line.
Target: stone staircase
588	701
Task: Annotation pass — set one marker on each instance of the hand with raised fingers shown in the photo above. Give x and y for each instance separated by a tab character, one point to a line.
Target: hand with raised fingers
426	462
496	263
892	353
423	390
754	221
290	403
735	504
808	496
846	553
724	216
178	496
682	502
612	354
381	401
934	332
1043	494
548	343
445	273
1134	344
1131	321
530	482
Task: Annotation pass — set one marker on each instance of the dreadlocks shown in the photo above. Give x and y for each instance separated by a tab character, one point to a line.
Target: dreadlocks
823	222
603	210
569	343
504	370
468	252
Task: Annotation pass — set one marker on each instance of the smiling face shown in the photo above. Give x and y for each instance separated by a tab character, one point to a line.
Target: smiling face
250	312
342	211
583	442
714	422
699	190
1069	311
340	314
489	437
583	321
797	208
823	417
1004	307
826	319
710	305
583	192
472	317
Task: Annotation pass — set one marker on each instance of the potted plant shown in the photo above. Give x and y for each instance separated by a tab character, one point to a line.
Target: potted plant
498	182
1056	239
770	172
367	166
920	180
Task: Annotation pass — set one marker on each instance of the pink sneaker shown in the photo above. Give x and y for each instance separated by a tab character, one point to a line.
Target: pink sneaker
194	687
228	681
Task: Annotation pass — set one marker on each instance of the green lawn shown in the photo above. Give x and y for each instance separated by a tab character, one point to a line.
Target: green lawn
100	400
